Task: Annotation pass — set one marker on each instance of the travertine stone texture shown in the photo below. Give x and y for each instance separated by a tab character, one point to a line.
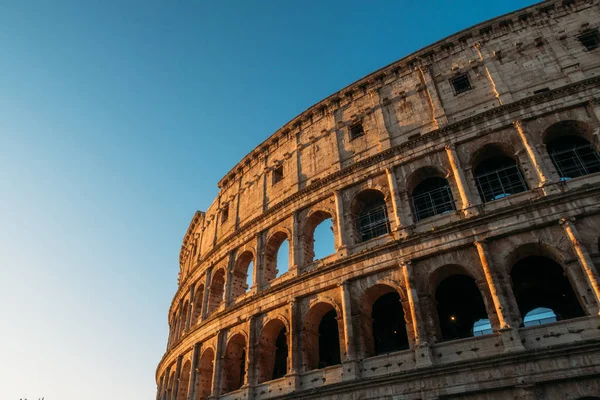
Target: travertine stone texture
529	77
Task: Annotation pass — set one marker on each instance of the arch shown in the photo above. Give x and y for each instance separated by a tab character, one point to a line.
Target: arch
217	289
205	374
460	308
370	214
241	280
234	363
272	351
497	174
170	384
198	301
569	144
183	319
184	380
314	221
274	243
383	321
321	336
430	193
538	281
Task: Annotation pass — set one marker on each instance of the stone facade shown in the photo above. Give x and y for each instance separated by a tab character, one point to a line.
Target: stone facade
475	164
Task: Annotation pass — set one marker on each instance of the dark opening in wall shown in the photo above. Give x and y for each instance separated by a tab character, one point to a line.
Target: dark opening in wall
356	130
329	340
461	83
281	355
498	176
459	306
234	365
224	214
371	215
590	39
432	197
277	174
539	282
389	328
573	156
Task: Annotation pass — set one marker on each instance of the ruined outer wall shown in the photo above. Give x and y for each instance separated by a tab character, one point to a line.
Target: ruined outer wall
527	71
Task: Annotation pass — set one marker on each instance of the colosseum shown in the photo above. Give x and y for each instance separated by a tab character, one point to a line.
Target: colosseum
462	184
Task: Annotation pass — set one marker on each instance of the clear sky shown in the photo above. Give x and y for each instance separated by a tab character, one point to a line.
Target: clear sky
117	119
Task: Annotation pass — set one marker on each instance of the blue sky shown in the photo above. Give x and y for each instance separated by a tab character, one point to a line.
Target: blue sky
117	119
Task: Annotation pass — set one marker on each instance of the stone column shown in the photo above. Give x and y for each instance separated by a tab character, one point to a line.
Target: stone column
259	265
584	259
159	389
438	114
466	197
180	319
194	372
382	134
165	391
510	335
228	279
251	378
188	317
342	237
336	162
594	106
177	377
351	364
542	170
294	351
295	246
206	293
399	225
422	352
218	365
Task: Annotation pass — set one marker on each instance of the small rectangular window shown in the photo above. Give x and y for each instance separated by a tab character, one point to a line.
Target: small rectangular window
461	83
224	214
277	174
356	130
590	39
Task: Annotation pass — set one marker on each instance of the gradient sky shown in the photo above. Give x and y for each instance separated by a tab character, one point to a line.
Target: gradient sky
117	119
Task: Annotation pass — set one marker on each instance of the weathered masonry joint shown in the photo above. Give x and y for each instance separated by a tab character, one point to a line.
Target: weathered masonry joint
462	187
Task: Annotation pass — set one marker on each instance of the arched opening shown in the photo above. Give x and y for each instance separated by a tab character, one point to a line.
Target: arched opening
322	339
539	282
198	299
431	194
183	317
205	375
383	326
370	215
273	352
234	368
460	307
217	288
571	153
318	237
276	256
184	381
497	175
241	279
170	386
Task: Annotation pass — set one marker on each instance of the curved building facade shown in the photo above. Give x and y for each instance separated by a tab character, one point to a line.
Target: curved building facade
463	187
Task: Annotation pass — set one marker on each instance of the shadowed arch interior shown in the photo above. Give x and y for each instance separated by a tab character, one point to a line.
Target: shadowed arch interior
205	374
459	306
184	380
234	365
370	215
273	351
217	288
321	337
430	193
568	144
198	299
497	175
539	281
383	326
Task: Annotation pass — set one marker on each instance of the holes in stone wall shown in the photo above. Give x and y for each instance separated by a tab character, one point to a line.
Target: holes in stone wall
277	175
461	83
356	131
539	282
205	374
590	39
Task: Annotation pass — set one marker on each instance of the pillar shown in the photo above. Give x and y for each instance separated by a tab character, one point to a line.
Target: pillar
422	352
295	246
541	169
165	390
466	197
438	114
490	279
159	389
188	317
194	372
351	369
382	134
229	278
206	293
584	259
177	376
218	365
400	226
251	378
294	351
342	237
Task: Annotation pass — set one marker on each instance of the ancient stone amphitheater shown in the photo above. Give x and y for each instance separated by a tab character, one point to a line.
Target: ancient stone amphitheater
463	187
